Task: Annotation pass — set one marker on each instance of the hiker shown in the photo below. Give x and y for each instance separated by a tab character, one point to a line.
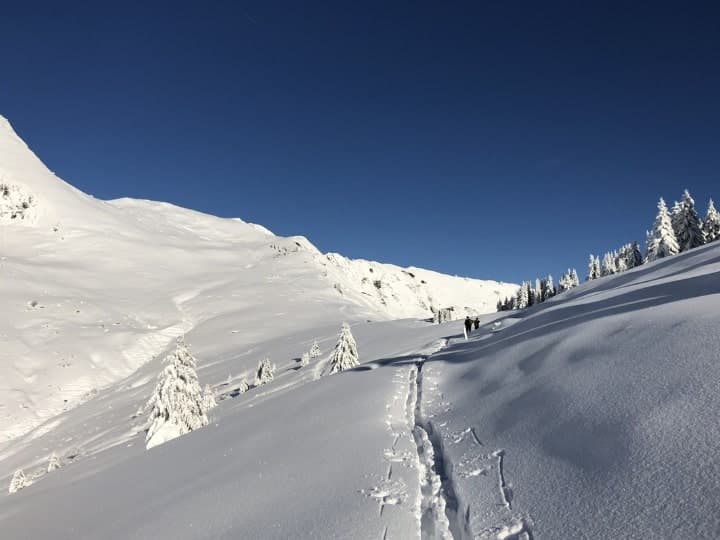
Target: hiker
476	322
468	324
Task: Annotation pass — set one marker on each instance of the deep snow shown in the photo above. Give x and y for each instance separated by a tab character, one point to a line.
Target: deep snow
592	415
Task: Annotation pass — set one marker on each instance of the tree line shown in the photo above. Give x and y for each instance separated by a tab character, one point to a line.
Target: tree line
674	231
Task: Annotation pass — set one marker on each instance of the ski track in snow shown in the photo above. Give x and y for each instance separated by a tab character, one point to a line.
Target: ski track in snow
438	507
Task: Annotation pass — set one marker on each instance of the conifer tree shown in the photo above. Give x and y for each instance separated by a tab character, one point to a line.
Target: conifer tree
633	256
688	230
305	359
265	372
608	265
19	481
345	355
661	241
243	386
593	268
53	463
523	296
209	401
315	350
573	278
177	403
711	224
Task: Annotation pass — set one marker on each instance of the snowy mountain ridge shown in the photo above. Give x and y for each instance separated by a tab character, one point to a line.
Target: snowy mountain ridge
94	289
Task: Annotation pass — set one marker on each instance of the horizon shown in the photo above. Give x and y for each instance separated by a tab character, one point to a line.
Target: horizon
386	111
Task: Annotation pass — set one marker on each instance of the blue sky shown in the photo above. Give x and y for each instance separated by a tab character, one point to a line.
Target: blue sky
474	138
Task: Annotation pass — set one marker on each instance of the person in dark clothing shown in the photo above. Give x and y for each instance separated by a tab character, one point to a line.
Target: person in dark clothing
468	324
476	322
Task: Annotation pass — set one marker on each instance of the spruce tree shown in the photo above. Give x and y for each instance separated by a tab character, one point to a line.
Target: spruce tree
265	372
593	268
689	232
19	481
608	265
523	296
209	401
633	256
243	386
661	241
711	224
177	403
53	463
573	277
315	350
345	355
305	359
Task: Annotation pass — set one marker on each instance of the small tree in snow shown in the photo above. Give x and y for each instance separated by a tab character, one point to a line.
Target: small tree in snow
19	481
177	403
345	355
243	386
209	401
711	224
305	359
315	350
53	463
593	268
661	241
265	372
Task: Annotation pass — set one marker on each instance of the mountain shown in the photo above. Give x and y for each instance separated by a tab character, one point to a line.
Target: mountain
591	415
93	290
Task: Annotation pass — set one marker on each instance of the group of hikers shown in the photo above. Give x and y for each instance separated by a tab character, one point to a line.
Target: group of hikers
469	323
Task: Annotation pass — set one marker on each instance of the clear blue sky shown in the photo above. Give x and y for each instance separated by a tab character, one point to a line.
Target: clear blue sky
491	139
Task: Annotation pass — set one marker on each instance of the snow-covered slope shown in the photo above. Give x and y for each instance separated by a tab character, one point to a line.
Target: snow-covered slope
589	416
92	289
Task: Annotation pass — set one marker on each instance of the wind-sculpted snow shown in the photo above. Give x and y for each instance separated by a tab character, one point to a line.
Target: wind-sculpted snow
92	290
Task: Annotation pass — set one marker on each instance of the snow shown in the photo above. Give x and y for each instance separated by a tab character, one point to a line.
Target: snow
591	415
93	290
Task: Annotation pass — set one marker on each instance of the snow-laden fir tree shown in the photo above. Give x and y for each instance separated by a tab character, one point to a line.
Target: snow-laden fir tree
549	288
538	290
305	359
593	268
676	218
574	279
53	463
523	296
568	280
19	481
243	386
711	223
209	401
661	240
265	372
345	355
315	350
608	265
177	403
688	229
633	256
621	258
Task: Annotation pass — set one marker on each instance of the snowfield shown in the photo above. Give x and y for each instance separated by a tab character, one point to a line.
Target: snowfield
591	415
92	290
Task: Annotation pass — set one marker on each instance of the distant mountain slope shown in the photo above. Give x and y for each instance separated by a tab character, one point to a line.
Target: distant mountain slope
94	289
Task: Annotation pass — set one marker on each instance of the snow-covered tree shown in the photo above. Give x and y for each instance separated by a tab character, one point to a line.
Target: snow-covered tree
19	481
549	289
345	355
305	359
568	280
661	241
315	350
608	265
575	280
265	372
209	401
177	403
53	463
633	256
593	268
711	223
687	225
523	296
243	386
